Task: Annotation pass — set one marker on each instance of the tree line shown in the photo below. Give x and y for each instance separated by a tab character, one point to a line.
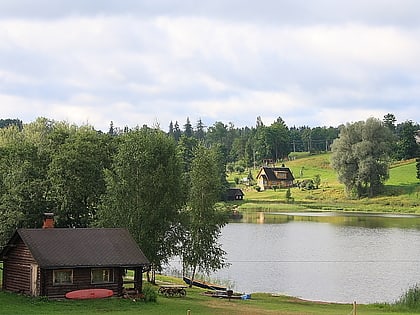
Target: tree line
248	146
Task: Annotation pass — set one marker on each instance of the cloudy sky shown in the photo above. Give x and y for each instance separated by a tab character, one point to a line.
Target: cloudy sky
135	62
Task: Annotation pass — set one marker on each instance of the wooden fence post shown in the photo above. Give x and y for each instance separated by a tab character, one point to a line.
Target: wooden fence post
188	312
354	308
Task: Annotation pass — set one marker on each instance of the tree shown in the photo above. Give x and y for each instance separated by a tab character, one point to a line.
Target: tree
418	168
217	134
177	131
144	193
200	250
407	147
199	130
23	183
76	173
389	121
361	155
186	147
4	123
188	129
278	139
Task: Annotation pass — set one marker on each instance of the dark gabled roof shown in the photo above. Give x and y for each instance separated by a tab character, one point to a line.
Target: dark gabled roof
83	247
234	192
270	173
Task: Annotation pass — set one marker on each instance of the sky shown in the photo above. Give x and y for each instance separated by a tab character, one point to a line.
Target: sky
134	62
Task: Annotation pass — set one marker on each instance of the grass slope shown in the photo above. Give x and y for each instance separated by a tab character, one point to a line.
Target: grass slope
401	191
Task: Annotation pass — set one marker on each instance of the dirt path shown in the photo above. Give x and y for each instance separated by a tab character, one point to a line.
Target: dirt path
232	308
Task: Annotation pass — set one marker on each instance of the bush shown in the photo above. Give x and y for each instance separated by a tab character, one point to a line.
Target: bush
411	299
289	197
240	169
149	293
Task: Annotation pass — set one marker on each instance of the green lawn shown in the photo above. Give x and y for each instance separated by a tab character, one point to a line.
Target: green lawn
13	304
195	301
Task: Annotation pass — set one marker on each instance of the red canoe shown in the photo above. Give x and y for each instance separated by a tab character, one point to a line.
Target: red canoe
89	294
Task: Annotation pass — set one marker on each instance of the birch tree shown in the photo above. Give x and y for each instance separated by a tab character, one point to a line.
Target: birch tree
200	249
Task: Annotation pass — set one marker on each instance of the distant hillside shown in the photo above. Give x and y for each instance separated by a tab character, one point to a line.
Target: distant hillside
401	193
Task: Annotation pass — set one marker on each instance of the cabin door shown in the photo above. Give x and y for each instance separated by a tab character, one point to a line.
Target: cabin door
34	280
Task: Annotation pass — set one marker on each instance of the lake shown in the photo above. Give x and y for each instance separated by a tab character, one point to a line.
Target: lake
323	256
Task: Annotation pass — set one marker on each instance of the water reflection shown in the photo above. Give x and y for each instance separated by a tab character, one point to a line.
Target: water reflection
367	220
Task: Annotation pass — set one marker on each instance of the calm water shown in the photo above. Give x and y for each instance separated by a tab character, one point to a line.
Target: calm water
323	256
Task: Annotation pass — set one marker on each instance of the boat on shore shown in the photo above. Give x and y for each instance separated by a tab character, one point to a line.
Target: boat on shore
204	285
93	293
229	294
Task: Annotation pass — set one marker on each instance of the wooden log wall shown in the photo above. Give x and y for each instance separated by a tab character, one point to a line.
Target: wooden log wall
81	280
17	269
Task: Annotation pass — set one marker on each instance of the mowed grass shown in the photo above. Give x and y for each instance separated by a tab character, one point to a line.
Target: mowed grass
401	192
195	302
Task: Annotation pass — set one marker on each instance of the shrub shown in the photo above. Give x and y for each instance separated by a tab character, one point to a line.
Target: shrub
149	293
289	197
411	299
240	169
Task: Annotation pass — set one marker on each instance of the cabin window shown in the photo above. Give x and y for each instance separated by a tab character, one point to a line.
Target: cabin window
100	275
63	276
281	175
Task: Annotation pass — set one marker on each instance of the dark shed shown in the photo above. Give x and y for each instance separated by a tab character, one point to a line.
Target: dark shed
234	194
53	261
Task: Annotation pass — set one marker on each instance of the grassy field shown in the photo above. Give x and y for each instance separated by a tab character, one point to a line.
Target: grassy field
259	304
194	302
401	194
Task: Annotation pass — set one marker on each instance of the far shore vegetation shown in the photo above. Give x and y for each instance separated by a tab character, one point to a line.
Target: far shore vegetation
401	192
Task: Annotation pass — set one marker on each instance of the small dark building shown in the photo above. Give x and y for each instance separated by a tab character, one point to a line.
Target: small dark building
53	261
234	194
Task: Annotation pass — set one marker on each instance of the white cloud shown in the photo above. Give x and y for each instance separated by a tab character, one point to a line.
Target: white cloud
161	63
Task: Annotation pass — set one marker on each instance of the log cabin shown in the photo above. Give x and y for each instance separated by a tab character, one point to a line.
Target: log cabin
54	261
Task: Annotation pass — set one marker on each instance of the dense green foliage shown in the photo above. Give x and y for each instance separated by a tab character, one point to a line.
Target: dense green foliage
76	176
144	192
361	157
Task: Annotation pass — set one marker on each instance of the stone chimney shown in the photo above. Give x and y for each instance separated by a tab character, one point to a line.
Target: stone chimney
48	221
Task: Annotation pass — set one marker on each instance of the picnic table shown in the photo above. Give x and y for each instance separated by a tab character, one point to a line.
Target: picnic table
170	290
